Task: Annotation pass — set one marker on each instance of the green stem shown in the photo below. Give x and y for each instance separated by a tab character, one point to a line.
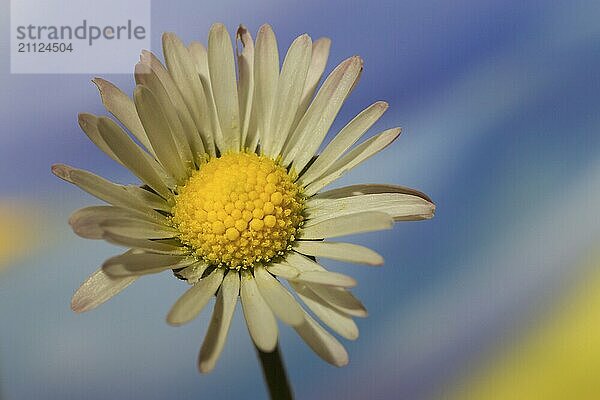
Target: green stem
275	375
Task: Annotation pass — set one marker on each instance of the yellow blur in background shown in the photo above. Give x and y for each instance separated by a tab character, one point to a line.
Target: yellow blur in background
557	359
19	231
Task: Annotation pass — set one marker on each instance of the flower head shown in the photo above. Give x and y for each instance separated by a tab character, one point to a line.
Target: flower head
231	196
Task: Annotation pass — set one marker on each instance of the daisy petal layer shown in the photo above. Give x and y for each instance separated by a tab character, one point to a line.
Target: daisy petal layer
318	62
337	321
277	297
97	289
222	80
326	278
92	222
101	188
369	188
347	225
220	322
89	124
245	59
401	207
339	251
129	264
354	157
132	156
266	76
195	299
194	133
121	106
289	91
315	124
322	342
259	317
344	140
160	133
179	123
183	71
151	246
340	298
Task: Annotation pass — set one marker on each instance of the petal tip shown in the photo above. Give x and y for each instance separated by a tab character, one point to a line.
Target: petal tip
383	105
170	38
61	170
342	361
218	27
77	305
205	367
265	28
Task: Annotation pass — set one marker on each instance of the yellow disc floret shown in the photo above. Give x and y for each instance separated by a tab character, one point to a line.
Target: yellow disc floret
238	210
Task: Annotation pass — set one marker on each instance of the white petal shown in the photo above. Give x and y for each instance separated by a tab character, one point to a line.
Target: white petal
217	134
266	75
343	141
195	299
152	246
195	134
89	124
149	198
220	322
322	342
132	156
327	278
337	321
129	264
180	123
109	212
224	86
160	133
339	298
302	263
97	289
122	107
135	228
318	62
192	273
283	270
289	92
88	222
315	124
339	251
311	272
357	190
245	59
401	207
101	188
200	57
354	157
183	71
282	303
347	225
259	317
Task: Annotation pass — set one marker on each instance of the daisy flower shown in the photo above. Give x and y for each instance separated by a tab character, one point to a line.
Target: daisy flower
231	196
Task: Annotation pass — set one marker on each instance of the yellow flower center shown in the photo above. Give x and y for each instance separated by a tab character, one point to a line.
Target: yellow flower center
238	210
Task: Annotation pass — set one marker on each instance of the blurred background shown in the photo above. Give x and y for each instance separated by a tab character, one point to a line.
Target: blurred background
497	297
